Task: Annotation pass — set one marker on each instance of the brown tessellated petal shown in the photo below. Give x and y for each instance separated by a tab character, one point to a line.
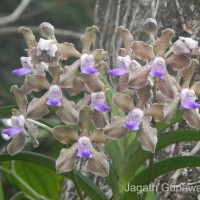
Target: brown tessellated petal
93	83
87	38
20	98
17	144
37	108
143	51
68	50
28	36
85	119
126	37
188	72
98	164
32	131
139	77
98	137
123	101
164	41
67	159
64	134
192	117
116	130
156	111
37	82
177	62
67	112
148	136
69	74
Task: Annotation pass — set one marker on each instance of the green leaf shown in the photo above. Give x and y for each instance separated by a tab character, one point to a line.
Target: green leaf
114	151
5	112
46	182
159	169
136	156
21	196
86	185
151	196
1	191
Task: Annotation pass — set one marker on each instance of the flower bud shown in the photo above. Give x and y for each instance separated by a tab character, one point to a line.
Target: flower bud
150	26
46	30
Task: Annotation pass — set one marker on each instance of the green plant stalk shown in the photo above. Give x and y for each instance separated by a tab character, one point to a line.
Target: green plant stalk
41	125
155	90
169	51
1	191
14	175
78	189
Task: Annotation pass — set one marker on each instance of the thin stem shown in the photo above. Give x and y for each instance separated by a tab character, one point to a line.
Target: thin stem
169	51
155	90
78	189
12	173
40	125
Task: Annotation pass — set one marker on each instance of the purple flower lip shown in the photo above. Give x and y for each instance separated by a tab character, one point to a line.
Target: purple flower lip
157	73
88	64
21	71
12	131
117	71
188	98
190	105
88	70
101	107
131	125
54	102
84	154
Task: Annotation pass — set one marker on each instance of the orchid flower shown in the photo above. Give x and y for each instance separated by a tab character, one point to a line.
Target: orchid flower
62	81
21	126
123	66
96	162
136	120
98	102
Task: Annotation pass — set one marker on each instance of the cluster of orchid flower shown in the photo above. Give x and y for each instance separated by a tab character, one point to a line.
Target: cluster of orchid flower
145	93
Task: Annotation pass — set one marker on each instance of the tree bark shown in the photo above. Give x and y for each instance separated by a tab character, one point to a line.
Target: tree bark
180	15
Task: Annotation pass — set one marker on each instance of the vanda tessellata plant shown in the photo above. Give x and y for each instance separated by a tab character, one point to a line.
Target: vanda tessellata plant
113	129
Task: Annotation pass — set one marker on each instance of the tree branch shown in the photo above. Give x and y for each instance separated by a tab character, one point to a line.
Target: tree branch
60	32
15	14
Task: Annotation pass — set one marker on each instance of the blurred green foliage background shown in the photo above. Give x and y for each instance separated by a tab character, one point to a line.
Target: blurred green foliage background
74	15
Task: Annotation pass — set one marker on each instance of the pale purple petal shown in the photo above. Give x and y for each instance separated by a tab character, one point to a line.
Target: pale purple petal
21	71
117	71
84	154
54	102
12	131
88	70
131	125
101	107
